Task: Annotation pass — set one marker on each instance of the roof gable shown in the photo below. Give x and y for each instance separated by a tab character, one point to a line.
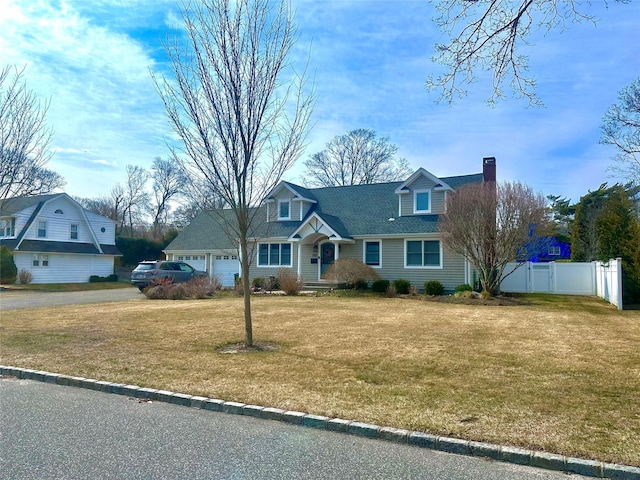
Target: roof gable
299	193
421	172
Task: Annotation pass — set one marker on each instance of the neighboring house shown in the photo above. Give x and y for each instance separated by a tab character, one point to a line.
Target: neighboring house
550	249
56	239
392	227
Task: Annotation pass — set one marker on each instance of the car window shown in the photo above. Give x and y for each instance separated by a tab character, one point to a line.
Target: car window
166	266
185	267
146	266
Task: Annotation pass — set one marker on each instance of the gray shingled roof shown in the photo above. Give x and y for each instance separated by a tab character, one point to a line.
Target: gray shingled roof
351	211
13	205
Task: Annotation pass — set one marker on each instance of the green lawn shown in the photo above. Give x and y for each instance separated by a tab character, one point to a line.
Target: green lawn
560	374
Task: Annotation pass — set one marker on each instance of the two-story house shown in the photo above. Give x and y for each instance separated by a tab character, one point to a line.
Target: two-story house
392	227
56	239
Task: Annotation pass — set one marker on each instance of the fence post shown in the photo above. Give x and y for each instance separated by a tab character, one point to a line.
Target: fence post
618	273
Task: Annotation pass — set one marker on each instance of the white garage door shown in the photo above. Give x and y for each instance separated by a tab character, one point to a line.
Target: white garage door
198	262
225	267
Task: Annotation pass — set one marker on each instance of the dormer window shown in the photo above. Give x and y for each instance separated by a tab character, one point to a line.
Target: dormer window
284	209
7	227
422	201
59	212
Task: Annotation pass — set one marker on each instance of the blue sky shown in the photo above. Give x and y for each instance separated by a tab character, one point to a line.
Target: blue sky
370	60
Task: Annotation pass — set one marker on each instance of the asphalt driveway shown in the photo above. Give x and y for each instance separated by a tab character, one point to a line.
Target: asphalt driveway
12	300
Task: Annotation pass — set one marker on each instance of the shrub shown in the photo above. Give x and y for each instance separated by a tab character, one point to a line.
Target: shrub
258	283
391	291
202	287
8	269
156	292
380	286
402	286
465	287
238	287
25	276
351	272
177	291
290	283
109	278
433	287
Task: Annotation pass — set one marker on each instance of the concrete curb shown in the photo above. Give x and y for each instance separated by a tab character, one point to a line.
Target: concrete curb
589	468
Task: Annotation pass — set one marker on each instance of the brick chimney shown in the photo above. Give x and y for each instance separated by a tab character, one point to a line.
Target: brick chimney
489	169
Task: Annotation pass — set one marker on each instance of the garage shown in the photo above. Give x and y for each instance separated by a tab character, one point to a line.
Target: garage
225	268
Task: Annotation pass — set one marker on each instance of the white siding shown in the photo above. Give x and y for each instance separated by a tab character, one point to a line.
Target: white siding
65	268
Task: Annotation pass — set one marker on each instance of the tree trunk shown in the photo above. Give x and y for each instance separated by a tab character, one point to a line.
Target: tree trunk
244	258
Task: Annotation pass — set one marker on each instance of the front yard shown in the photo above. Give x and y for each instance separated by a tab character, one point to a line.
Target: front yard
561	374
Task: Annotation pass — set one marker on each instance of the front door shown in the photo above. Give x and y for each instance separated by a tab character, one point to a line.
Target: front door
327	256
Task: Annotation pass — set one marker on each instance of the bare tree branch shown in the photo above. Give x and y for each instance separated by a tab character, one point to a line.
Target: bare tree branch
488	35
621	128
24	139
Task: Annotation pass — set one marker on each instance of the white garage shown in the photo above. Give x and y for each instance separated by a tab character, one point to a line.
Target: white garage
225	268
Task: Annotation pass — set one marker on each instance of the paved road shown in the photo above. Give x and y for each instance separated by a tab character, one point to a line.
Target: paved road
11	300
49	431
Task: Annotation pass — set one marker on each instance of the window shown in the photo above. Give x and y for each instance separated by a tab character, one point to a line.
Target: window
284	210
554	250
422	201
372	253
423	254
7	227
59	212
274	254
40	260
74	231
42	229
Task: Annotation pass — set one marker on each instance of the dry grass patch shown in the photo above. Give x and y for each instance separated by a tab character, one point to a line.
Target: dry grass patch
560	376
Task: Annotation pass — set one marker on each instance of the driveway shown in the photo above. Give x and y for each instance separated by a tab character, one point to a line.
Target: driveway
55	432
12	300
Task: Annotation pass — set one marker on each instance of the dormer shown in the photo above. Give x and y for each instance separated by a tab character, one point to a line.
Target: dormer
288	202
422	194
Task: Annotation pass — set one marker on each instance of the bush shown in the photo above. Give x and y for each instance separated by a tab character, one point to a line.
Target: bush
25	276
290	283
202	287
391	291
238	286
8	269
380	286
110	278
402	286
433	287
465	287
351	272
258	283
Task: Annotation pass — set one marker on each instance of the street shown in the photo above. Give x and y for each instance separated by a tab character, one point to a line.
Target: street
50	431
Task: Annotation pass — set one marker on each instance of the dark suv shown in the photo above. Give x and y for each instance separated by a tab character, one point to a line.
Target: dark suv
148	271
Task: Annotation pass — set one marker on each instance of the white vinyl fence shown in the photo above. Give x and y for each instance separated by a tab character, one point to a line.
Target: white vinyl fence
595	278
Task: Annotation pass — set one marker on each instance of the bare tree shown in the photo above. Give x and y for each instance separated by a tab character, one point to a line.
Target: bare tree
24	140
241	116
169	182
621	128
136	199
489	35
356	158
491	225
